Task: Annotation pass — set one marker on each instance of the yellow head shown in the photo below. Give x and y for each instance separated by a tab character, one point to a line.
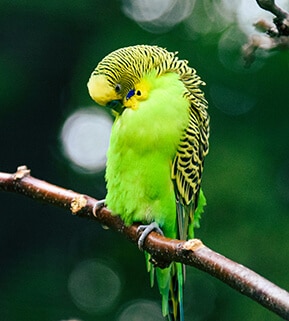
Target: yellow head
119	81
101	90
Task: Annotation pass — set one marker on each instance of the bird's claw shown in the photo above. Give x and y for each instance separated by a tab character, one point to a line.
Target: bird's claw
98	205
146	230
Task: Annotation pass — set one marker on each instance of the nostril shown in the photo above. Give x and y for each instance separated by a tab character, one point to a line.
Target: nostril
130	94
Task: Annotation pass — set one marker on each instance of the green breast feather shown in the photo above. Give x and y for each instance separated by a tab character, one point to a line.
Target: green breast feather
142	149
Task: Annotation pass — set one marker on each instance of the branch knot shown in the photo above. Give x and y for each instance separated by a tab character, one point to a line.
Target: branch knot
22	171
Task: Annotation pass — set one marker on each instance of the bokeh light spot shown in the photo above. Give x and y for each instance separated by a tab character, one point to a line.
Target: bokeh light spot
85	139
141	310
208	16
230	51
231	101
157	16
94	286
248	13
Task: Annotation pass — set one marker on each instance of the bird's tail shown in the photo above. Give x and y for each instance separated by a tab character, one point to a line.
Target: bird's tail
175	304
171	279
170	282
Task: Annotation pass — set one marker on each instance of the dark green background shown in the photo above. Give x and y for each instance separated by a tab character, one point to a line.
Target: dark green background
47	51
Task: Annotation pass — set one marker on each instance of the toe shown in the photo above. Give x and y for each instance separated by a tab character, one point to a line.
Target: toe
97	206
146	230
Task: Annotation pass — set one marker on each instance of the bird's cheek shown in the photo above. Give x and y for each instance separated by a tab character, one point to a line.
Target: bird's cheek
142	90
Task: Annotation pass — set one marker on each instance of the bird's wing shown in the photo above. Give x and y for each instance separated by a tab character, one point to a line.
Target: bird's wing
188	167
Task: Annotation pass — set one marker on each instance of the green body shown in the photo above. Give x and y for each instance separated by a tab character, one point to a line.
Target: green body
143	145
142	148
157	148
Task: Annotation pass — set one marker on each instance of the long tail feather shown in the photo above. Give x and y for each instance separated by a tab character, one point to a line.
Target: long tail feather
170	282
176	309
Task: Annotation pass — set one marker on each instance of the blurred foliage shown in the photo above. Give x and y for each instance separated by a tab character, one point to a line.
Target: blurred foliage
48	50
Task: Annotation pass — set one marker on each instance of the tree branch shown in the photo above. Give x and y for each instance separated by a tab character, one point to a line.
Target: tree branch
162	249
275	35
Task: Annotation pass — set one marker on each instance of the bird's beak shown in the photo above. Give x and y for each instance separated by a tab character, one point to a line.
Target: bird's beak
116	105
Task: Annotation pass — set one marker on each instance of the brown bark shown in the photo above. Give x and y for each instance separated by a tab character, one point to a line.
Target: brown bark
162	249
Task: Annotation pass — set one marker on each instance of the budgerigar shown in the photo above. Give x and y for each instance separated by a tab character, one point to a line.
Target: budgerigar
158	143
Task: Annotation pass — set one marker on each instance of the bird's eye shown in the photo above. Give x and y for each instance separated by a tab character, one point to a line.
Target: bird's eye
138	93
118	88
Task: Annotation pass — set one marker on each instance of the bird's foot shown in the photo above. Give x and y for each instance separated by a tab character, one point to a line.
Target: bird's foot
98	205
146	230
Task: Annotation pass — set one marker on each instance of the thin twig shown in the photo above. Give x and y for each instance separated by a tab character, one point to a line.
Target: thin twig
271	6
274	35
163	250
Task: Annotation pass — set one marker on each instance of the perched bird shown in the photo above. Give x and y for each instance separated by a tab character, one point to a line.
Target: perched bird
158	143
